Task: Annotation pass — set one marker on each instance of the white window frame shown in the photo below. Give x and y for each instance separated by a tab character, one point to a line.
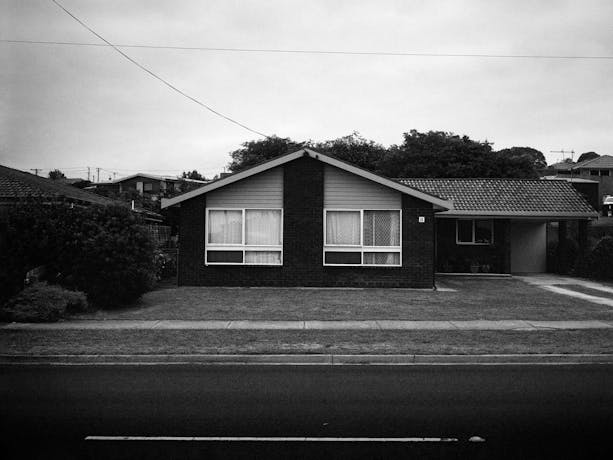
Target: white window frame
473	243
360	248
240	247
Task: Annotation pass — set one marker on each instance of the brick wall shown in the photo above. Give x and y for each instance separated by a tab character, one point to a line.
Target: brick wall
303	181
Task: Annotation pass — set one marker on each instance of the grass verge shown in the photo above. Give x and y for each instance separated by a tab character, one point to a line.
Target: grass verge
270	342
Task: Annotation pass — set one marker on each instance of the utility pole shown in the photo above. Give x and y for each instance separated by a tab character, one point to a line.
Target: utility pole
97	174
35	171
88	174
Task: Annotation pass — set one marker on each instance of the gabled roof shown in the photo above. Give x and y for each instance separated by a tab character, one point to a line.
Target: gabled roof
15	185
438	203
507	197
602	162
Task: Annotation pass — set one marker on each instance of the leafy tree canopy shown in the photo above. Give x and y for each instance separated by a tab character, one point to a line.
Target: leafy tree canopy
354	149
431	154
254	152
194	175
56	174
536	156
587	156
443	154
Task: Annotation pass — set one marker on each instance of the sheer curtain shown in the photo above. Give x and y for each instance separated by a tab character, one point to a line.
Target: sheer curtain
381	228
263	227
343	227
225	227
263	257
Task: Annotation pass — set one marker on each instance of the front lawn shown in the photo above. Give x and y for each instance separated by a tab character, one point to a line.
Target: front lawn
93	342
489	299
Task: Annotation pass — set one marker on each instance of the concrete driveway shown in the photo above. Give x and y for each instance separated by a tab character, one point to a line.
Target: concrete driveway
579	288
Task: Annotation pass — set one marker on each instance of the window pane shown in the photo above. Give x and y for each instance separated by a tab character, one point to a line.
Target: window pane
465	231
235	257
263	227
349	258
381	258
343	227
225	227
483	231
381	228
604	172
263	257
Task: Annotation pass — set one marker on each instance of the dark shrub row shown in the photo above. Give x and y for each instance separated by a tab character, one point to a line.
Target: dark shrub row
105	252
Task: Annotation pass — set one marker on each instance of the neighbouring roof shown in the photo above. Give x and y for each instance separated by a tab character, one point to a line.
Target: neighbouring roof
153	177
18	185
602	162
15	185
563	166
507	197
437	202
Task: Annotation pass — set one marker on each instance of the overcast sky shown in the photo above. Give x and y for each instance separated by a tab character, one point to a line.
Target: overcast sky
76	106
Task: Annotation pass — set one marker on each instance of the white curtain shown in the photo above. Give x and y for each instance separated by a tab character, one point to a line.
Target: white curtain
225	227
263	227
343	227
263	257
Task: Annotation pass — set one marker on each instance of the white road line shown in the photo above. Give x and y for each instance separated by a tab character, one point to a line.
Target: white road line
261	439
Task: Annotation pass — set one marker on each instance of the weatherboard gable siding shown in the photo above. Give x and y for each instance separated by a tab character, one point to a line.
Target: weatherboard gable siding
343	190
264	190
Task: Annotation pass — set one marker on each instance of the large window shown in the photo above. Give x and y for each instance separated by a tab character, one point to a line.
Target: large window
362	237
244	236
474	231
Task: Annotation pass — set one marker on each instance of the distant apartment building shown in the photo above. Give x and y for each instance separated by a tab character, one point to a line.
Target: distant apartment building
150	185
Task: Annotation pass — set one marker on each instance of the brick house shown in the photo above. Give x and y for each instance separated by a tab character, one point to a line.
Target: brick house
307	219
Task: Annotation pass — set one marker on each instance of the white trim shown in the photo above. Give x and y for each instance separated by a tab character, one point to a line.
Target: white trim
473	242
438	203
244	248
360	248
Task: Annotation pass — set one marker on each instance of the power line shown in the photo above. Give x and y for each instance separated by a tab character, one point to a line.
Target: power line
142	67
307	51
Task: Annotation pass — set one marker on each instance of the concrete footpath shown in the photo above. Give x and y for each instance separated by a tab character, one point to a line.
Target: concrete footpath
501	325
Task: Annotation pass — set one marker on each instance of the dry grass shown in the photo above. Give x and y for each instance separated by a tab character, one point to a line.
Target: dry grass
339	342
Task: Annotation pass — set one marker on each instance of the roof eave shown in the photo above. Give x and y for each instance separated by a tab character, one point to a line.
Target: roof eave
516	214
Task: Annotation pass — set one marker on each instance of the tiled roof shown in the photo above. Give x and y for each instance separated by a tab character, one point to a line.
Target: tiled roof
602	162
512	197
15	184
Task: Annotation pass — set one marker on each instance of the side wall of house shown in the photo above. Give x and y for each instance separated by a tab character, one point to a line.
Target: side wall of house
303	205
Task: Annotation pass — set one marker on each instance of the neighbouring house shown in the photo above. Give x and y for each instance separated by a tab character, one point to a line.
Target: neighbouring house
597	170
18	186
150	185
307	219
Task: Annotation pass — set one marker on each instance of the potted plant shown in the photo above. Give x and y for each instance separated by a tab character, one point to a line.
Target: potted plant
474	266
485	268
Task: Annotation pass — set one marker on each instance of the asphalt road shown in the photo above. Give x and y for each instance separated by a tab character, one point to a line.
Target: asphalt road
520	411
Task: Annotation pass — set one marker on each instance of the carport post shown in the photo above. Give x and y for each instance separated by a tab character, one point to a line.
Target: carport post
582	235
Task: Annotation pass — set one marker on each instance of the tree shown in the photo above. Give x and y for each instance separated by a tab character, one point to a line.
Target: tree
56	174
354	149
194	175
587	156
536	156
444	154
254	152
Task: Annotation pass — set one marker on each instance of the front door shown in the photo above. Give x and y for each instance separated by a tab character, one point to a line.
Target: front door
528	247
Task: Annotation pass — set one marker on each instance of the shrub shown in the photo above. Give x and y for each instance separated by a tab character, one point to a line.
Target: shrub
42	302
165	266
104	251
599	263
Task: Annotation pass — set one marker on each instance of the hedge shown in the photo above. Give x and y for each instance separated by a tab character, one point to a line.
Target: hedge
104	251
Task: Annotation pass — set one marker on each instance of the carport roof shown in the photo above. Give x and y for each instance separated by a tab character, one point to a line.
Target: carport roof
507	197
